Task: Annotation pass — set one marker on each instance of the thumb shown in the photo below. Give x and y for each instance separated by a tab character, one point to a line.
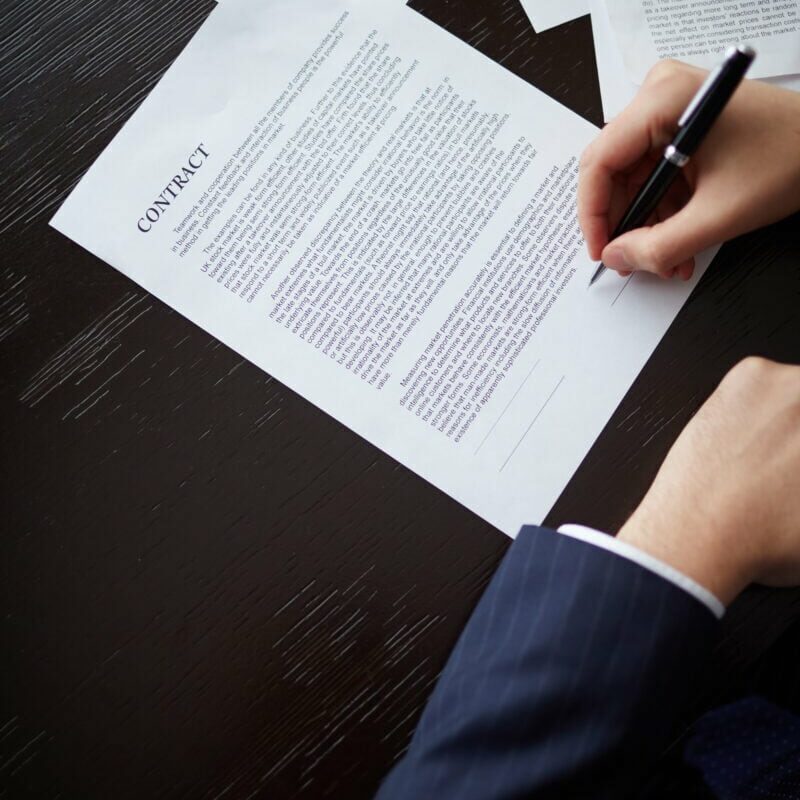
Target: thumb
662	247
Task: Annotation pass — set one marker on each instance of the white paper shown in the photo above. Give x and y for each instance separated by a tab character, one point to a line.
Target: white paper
699	33
545	14
616	87
389	255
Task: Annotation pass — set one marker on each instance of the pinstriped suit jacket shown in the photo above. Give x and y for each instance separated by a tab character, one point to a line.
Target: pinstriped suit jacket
566	683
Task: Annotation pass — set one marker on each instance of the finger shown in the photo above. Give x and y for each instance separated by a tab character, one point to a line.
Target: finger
617	148
624	192
686	270
642	127
674	200
670	205
669	244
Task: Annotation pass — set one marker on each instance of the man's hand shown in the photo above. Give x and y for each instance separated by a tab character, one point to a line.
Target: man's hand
745	175
725	506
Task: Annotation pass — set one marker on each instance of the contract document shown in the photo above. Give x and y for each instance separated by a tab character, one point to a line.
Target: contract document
699	32
384	220
545	14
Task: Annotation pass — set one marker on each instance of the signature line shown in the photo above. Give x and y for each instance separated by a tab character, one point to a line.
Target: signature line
533	422
506	408
624	287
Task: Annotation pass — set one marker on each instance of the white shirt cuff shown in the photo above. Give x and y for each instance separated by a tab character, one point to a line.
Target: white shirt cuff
648	562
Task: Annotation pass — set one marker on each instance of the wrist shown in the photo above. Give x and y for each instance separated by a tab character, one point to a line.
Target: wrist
700	551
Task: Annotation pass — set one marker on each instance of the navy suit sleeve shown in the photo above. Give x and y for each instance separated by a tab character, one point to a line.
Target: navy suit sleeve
566	683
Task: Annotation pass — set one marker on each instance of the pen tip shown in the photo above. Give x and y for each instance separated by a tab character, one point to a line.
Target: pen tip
598	272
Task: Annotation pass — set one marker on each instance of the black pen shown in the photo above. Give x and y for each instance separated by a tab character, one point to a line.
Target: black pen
693	126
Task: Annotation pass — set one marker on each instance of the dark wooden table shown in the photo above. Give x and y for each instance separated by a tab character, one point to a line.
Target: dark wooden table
210	589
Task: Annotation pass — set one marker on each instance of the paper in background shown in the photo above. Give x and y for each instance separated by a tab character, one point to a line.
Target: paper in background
546	14
617	88
700	34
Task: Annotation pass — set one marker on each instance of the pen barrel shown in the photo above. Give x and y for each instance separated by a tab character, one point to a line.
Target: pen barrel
648	198
711	100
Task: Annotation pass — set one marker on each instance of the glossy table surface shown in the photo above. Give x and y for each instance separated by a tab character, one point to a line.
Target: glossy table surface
209	588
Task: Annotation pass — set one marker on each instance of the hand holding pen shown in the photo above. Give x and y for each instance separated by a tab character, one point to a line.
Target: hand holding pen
745	175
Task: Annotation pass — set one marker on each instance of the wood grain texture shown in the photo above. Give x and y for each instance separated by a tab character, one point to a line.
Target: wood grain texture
209	588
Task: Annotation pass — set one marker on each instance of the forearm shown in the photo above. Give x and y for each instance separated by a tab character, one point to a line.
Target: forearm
567	681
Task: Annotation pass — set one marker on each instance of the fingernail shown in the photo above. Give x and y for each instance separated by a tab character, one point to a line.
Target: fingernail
614	257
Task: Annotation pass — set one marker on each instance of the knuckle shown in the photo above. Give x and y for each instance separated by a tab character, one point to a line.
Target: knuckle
664	70
752	369
754	365
653	257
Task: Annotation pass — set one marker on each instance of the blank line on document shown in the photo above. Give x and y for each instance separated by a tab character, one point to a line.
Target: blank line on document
533	422
624	287
508	406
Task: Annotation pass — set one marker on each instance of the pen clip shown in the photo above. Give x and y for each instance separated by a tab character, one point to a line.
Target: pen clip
742	51
701	93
